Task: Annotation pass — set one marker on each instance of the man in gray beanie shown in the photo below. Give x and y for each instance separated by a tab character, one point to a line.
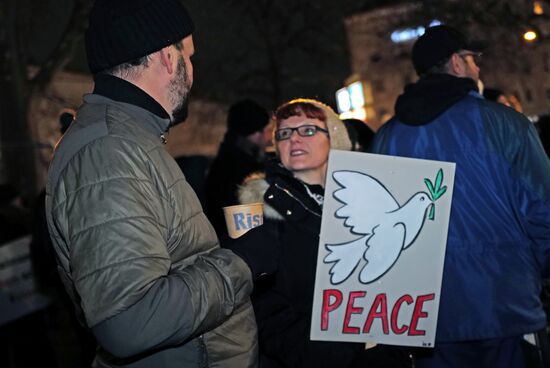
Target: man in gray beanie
135	252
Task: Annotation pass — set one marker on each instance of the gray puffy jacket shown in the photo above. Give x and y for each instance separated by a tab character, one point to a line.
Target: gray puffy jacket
135	251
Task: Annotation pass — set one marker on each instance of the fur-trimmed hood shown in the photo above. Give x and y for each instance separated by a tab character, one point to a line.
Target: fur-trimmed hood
252	190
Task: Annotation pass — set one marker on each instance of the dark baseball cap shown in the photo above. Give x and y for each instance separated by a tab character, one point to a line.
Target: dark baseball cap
439	43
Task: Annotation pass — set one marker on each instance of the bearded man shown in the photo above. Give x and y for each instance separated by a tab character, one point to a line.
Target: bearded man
135	251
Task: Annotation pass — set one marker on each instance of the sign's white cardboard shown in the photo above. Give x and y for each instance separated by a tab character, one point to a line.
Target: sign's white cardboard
382	249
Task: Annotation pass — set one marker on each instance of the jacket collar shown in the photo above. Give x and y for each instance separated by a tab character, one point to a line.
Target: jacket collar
112	90
431	96
280	179
284	196
118	89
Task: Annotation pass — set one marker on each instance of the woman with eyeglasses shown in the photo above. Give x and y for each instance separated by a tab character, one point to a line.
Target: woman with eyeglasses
292	191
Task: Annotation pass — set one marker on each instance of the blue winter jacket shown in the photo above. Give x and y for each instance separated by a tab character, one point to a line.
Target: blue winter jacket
498	246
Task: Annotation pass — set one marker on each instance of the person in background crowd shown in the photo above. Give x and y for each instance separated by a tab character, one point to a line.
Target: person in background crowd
292	191
42	251
14	217
47	277
240	154
135	252
496	95
359	133
515	103
268	140
195	169
498	243
65	119
29	332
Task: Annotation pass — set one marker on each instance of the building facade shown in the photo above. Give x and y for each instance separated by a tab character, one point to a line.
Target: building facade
199	135
380	43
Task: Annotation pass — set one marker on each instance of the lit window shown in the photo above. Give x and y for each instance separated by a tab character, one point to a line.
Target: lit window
356	94
343	100
410	34
537	8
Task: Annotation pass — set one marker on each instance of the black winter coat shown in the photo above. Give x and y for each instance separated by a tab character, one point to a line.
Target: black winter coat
283	302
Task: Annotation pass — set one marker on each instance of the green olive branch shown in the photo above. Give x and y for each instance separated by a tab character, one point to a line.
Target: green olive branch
435	191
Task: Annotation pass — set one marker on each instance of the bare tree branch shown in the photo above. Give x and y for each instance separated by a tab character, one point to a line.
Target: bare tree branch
64	50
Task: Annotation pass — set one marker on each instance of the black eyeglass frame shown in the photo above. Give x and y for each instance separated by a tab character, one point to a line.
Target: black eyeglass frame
476	56
300	130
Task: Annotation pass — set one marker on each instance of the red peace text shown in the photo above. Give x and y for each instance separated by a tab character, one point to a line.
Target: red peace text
333	298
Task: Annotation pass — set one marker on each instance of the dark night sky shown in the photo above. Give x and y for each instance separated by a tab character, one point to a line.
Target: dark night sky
228	49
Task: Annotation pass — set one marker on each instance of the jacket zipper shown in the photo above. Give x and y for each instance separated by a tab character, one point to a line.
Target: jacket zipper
203	353
297	200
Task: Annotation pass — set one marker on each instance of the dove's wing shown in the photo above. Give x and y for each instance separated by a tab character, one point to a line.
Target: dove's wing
365	200
384	247
345	257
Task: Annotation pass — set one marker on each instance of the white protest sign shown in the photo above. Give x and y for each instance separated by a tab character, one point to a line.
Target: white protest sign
18	296
382	248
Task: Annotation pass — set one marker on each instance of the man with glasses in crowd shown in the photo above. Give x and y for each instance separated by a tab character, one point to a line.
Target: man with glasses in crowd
499	232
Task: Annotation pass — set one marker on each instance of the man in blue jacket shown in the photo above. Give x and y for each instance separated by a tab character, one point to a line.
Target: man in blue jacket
499	233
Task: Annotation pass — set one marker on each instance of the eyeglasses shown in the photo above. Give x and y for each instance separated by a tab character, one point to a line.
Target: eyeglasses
476	56
303	131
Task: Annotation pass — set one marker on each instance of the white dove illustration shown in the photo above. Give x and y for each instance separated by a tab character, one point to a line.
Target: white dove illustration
386	227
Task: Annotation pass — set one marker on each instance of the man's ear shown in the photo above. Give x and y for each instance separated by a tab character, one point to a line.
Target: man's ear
457	64
166	55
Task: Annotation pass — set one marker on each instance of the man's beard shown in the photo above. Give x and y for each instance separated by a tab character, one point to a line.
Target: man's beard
179	93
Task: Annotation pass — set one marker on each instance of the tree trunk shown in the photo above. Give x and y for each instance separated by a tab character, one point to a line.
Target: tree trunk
17	160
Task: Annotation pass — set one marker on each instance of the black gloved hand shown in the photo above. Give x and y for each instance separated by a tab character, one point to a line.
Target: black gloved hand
258	248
